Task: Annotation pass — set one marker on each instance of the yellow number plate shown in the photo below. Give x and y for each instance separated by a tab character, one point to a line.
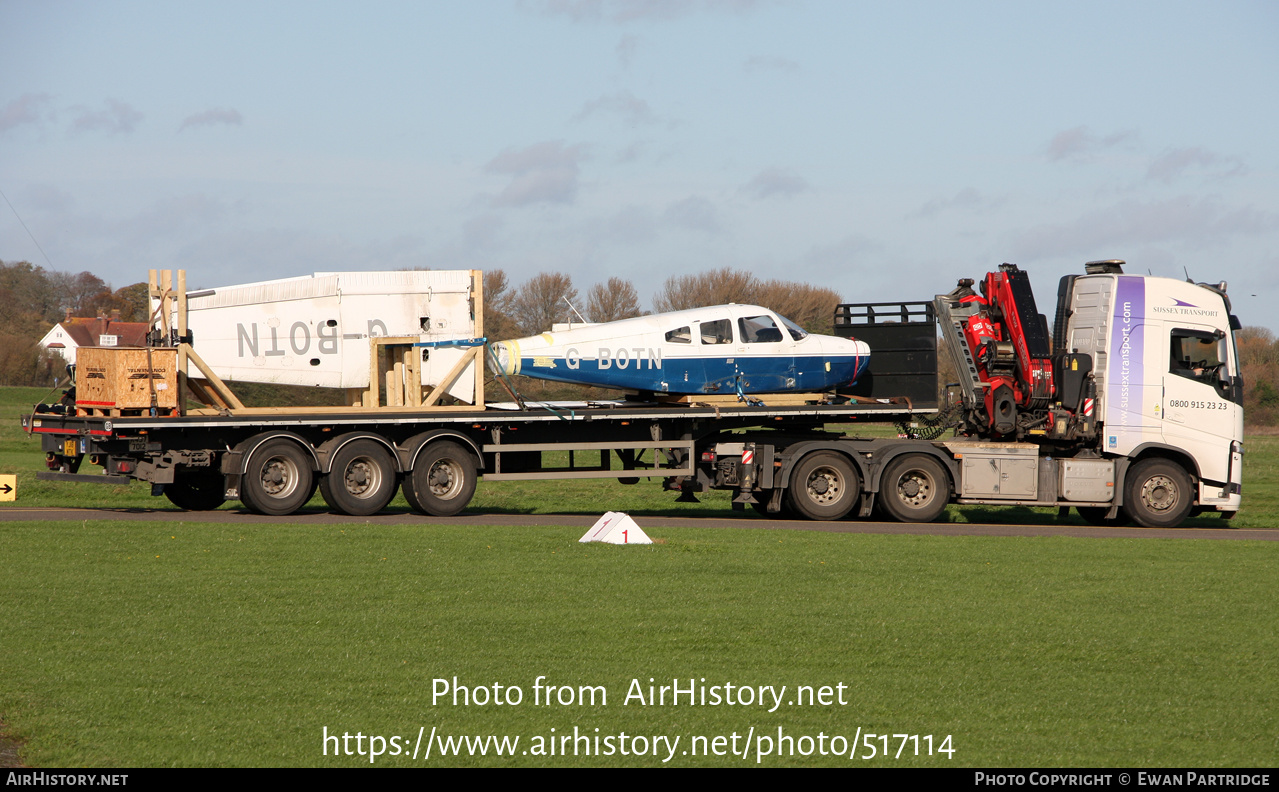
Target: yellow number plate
69	447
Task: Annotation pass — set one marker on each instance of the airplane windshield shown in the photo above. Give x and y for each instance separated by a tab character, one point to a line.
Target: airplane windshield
796	332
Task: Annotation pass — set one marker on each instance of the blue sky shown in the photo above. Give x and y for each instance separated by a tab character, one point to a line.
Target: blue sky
881	149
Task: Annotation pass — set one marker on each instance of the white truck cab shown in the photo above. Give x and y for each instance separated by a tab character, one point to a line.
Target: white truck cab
1168	381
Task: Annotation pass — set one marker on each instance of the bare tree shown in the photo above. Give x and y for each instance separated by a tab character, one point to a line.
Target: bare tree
608	302
498	323
716	287
543	301
811	307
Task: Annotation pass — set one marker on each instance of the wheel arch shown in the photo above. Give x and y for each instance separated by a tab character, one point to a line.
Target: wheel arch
883	458
241	452
796	452
408	451
327	450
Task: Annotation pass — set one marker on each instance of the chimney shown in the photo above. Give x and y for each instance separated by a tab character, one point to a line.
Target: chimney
115	314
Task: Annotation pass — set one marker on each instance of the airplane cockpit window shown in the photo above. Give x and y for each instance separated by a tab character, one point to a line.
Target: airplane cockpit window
719	331
759	330
796	332
680	335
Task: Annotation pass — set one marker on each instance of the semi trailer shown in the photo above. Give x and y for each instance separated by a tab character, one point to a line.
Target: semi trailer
1128	407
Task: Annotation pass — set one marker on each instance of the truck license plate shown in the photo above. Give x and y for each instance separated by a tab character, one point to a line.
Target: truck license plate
69	447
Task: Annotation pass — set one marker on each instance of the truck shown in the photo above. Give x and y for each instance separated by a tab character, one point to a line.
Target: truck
1127	409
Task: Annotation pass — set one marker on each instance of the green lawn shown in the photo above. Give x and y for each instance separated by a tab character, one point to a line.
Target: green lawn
195	644
147	644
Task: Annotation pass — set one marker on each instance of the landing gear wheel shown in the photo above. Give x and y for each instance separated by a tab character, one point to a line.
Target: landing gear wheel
442	480
197	490
914	488
1096	515
1158	493
823	486
361	480
278	479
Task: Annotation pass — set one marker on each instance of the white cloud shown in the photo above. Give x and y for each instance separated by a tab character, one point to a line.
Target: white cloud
967	198
622	11
694	213
757	63
775	182
26	109
1081	144
632	110
541	173
114	117
1174	163
1103	232
228	116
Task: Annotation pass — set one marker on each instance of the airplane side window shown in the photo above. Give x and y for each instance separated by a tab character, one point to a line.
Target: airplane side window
719	331
680	335
759	330
1196	355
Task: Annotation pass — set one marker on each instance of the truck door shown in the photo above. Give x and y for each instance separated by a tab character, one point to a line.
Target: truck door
1199	413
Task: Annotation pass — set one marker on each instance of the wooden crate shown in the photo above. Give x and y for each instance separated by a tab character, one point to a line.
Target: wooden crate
110	379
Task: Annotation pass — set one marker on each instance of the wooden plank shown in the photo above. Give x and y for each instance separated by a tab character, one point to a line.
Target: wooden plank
216	381
452	376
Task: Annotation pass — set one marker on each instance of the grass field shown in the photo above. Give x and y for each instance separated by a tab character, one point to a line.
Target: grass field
155	644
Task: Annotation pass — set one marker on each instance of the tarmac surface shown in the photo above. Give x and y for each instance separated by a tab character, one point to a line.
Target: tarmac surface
401	517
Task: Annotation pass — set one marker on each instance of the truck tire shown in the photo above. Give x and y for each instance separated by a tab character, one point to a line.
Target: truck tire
914	488
823	486
1158	493
278	478
201	489
361	479
442	480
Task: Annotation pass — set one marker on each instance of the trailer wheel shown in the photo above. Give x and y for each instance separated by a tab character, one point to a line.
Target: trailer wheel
361	480
197	490
442	480
914	488
1158	493
278	479
823	486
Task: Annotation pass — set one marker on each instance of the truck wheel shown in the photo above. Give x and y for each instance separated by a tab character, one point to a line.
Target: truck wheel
361	480
823	486
1096	515
442	480
197	490
914	488
278	479
1158	493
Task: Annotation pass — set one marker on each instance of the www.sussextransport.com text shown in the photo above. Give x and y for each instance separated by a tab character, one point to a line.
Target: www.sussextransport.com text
751	743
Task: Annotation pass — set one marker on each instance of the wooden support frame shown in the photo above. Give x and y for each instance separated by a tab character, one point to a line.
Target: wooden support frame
395	364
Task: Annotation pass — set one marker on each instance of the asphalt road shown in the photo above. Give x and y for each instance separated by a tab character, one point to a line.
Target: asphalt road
649	523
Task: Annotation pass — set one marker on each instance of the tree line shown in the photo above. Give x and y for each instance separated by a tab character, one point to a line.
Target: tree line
33	299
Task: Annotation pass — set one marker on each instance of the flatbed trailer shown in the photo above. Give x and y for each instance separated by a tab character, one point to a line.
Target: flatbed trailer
273	460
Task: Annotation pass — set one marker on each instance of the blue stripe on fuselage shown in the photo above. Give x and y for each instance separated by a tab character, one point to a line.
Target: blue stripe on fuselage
708	374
